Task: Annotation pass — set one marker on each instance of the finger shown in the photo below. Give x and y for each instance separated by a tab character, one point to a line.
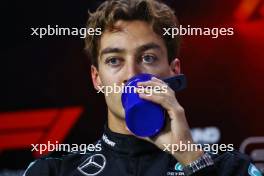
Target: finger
164	87
149	83
144	90
149	91
157	80
153	98
167	101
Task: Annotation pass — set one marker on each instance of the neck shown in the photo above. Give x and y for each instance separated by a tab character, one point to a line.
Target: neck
117	124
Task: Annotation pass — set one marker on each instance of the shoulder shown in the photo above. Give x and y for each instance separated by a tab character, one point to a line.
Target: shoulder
234	163
233	156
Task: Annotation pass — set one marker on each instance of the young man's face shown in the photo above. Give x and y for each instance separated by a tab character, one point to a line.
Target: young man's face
133	49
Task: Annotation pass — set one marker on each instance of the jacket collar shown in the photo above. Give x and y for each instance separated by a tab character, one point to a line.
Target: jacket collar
126	144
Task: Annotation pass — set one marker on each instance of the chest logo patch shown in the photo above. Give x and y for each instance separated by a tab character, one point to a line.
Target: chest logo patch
93	165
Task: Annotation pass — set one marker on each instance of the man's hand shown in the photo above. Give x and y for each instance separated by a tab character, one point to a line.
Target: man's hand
176	127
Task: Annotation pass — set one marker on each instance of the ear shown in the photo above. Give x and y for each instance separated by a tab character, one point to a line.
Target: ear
95	77
175	67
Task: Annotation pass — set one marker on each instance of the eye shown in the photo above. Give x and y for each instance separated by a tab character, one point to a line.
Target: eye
148	59
113	61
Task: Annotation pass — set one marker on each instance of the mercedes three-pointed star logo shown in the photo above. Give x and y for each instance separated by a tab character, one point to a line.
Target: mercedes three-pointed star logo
93	165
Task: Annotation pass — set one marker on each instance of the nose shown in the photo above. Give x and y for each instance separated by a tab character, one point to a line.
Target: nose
132	69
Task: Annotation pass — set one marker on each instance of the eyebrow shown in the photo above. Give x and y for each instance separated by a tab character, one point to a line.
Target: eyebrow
148	46
112	50
140	49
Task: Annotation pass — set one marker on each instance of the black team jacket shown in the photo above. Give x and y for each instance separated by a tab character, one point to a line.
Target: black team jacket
125	155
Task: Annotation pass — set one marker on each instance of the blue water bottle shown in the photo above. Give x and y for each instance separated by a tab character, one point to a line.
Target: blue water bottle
145	118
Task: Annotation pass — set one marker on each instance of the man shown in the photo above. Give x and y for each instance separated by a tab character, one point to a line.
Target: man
132	42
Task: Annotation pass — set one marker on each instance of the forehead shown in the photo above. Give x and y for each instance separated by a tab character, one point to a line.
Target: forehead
130	35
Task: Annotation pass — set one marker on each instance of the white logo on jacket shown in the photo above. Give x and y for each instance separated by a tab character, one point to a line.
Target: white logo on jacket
93	165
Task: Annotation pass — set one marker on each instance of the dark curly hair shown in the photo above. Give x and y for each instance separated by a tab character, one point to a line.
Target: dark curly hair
157	14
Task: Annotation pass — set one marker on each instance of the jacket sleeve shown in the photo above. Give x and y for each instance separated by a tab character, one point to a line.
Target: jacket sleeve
43	167
230	164
37	167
